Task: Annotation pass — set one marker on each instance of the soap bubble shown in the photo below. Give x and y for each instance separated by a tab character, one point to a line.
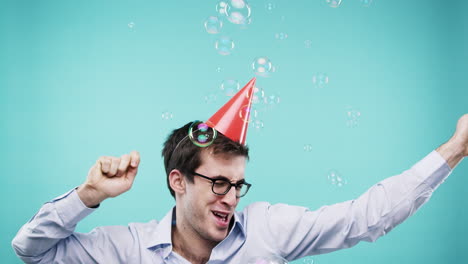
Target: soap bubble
262	66
201	134
281	36
213	25
257	124
365	3
221	8
335	178
333	3
270	7
224	45
320	80
258	95
307	260
307	147
353	116
247	113
237	11
166	115
230	87
131	25
272	99
211	98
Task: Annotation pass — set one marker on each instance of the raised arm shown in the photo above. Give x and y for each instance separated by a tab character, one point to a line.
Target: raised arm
50	235
297	231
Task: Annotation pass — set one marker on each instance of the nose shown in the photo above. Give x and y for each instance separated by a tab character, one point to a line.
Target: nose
230	198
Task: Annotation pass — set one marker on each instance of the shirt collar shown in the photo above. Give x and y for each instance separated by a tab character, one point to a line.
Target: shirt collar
161	236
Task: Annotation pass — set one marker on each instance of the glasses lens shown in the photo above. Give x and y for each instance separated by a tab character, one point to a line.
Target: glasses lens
221	186
242	190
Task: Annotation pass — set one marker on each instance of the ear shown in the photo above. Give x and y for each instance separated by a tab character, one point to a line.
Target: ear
177	181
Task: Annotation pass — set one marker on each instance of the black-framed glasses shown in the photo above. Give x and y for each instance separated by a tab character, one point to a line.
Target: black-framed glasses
221	186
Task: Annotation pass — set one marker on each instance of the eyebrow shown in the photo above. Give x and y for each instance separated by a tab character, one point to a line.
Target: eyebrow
221	177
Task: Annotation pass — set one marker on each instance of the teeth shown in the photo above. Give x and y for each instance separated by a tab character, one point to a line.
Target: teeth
224	216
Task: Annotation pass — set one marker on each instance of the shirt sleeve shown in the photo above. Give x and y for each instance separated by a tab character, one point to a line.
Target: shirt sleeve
49	236
299	232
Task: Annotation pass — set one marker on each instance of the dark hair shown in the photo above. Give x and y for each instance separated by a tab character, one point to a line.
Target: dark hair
181	153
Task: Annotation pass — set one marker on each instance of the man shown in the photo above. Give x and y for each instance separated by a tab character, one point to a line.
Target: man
203	227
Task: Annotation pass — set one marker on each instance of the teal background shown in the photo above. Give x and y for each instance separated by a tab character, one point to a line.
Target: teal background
76	83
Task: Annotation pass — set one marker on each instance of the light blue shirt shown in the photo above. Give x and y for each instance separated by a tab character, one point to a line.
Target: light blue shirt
260	229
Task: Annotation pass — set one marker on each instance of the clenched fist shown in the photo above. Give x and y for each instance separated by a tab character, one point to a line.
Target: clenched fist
109	177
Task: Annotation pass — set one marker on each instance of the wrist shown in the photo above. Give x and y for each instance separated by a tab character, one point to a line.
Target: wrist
90	196
452	151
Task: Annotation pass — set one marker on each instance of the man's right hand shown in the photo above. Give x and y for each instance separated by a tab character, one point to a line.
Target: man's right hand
109	177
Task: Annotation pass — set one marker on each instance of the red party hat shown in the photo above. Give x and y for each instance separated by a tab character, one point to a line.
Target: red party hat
233	118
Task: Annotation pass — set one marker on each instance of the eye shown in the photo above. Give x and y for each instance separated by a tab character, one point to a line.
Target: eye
220	183
239	186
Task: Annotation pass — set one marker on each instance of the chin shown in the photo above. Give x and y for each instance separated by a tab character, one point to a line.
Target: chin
218	236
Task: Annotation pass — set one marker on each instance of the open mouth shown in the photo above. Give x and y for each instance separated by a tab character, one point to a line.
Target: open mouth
221	217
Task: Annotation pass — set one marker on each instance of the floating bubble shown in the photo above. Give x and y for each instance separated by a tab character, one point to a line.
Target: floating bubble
211	98
201	134
224	45
270	259
131	25
333	3
281	36
272	99
335	178
213	25
307	147
308	43
247	113
352	117
320	80
258	95
365	3
262	66
237	11
307	260
230	87
257	124
167	115
219	69
221	8
270	7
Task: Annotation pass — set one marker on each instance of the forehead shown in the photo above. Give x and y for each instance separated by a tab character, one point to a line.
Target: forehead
229	166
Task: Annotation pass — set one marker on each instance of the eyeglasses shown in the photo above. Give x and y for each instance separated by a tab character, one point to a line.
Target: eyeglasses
222	186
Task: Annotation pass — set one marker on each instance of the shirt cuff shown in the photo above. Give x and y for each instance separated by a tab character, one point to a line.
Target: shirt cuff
71	209
432	170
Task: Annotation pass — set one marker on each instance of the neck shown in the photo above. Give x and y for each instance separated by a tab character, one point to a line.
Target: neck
190	246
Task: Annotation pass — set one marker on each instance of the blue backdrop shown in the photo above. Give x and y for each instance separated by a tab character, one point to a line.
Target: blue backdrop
365	88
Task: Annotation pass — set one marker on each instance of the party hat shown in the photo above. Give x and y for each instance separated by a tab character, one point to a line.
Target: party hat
233	118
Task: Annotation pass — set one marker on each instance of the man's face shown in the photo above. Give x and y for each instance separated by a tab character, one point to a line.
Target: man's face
206	214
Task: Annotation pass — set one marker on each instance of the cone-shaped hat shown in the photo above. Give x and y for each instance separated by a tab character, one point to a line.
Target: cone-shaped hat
233	118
